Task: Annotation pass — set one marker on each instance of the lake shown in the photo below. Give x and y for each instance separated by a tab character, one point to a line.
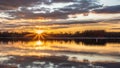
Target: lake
92	51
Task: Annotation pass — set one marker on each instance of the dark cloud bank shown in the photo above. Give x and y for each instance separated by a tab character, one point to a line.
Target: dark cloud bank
21	10
78	6
109	9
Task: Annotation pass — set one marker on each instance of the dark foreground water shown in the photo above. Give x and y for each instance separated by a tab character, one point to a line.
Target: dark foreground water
59	54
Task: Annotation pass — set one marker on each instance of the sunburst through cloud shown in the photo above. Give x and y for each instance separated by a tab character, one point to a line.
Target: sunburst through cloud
37	34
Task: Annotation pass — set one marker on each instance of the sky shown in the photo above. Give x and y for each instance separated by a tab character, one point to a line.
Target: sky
59	15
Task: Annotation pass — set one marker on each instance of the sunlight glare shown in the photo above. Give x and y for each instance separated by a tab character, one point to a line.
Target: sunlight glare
39	42
39	31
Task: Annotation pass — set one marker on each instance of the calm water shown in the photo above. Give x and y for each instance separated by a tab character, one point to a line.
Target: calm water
80	50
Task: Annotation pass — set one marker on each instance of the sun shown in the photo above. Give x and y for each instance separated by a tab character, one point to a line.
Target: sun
39	31
37	34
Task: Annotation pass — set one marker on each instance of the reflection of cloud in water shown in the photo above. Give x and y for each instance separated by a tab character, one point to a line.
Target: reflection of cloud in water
46	62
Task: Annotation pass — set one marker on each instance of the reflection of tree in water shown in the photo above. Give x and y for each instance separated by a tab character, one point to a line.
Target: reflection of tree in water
90	42
93	42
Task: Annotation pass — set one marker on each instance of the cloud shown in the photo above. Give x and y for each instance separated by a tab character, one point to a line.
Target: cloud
52	9
109	9
115	28
29	13
64	0
16	3
57	9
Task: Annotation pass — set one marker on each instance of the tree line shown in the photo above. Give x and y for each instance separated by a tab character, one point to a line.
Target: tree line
87	33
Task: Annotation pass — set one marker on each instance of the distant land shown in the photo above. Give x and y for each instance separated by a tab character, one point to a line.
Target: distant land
89	34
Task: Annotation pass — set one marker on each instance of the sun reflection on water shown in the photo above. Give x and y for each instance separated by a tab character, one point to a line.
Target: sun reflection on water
39	42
